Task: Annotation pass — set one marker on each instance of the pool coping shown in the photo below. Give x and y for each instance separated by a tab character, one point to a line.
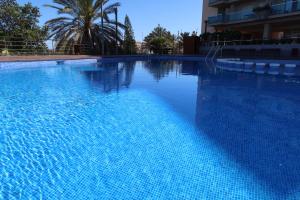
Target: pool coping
8	59
29	63
44	58
69	60
17	59
43	63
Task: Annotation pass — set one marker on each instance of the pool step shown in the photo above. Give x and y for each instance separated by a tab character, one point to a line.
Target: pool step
60	62
259	68
274	69
289	69
249	66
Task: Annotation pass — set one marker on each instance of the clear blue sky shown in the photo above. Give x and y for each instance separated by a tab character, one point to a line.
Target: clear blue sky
175	15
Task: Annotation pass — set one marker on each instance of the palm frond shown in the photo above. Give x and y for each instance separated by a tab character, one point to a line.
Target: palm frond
80	23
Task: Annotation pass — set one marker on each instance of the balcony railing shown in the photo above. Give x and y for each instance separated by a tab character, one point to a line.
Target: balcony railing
218	19
232	17
211	2
276	9
245	15
218	2
287	7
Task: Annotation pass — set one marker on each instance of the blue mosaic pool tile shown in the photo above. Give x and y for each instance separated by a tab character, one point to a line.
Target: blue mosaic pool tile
79	132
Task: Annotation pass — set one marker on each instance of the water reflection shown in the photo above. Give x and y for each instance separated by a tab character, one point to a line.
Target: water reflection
256	119
160	69
111	76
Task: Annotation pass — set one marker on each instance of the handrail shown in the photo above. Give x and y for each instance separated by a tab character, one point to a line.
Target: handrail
21	46
289	40
217	50
210	50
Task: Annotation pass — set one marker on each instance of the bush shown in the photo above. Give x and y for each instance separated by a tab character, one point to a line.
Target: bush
5	52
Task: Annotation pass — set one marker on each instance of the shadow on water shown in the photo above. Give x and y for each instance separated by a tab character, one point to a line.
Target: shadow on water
254	118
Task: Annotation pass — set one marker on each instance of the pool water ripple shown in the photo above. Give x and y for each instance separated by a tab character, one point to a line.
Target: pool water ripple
69	133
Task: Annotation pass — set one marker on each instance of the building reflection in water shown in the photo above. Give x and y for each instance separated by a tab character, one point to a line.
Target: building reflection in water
245	115
162	68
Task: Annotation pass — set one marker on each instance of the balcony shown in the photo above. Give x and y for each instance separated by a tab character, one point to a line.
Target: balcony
217	2
220	2
248	15
286	8
232	17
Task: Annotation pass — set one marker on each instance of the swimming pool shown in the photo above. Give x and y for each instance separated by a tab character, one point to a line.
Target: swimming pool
155	129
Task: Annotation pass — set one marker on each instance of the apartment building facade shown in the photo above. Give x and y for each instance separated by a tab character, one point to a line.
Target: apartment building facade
255	19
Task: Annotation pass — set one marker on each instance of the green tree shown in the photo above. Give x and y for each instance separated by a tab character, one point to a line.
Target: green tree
129	44
179	40
160	41
19	28
9	13
79	25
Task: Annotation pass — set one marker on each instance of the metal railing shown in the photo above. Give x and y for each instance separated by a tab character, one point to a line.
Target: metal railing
250	49
210	2
215	2
286	7
232	17
21	45
291	40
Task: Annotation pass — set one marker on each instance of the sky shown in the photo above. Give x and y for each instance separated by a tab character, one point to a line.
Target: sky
175	15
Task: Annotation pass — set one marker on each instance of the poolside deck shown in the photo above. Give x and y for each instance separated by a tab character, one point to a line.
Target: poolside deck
44	58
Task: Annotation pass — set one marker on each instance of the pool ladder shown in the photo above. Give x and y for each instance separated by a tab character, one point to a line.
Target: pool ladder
213	52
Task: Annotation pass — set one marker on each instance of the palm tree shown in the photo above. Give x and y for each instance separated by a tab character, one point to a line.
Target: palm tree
79	25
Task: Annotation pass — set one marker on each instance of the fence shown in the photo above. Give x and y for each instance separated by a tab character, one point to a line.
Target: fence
285	48
22	46
295	39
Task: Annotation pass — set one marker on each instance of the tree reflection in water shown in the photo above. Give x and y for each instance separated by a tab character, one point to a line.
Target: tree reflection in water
111	76
160	69
254	119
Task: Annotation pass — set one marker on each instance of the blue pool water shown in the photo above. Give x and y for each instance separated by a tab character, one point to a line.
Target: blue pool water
148	130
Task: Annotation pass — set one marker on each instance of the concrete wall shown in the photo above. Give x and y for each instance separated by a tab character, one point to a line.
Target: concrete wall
283	51
206	12
266	29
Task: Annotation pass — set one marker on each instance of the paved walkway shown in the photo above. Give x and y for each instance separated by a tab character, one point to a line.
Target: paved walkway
45	57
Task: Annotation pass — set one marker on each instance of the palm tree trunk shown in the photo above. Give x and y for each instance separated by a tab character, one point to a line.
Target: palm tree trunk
116	15
102	30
